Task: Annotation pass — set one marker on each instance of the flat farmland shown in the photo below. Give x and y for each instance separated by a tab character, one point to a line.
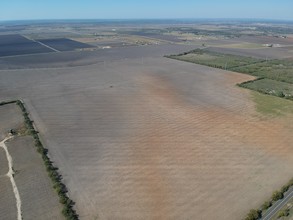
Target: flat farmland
8	209
39	200
112	44
262	53
163	37
268	86
156	138
3	163
65	44
82	58
10	117
11	45
267	40
252	46
159	36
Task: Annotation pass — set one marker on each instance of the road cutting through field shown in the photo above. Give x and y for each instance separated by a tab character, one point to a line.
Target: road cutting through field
10	174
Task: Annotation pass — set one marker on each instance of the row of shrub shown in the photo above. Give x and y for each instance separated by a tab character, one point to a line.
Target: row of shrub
7	102
277	195
250	81
68	210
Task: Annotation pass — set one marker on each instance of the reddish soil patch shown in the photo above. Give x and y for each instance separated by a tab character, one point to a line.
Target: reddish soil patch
156	138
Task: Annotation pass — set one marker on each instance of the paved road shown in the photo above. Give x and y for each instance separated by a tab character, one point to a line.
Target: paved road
278	205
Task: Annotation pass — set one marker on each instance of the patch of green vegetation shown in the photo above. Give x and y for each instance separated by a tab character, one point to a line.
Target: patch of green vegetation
229	33
244	46
270	87
286	212
271	105
283	213
213	59
266	205
280	70
253	215
275	77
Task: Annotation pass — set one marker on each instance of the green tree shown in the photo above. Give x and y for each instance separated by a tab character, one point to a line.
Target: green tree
253	215
277	195
284	189
283	213
266	205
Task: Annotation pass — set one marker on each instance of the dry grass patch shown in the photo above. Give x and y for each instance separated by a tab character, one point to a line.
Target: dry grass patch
272	106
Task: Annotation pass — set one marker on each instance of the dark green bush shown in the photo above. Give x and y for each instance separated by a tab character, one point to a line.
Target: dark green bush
277	195
285	188
280	94
266	205
283	213
253	215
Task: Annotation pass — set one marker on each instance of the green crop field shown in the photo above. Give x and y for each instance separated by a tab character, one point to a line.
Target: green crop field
213	59
271	87
275	77
280	70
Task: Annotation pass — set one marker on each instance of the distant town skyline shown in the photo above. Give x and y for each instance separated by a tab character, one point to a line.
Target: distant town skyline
135	9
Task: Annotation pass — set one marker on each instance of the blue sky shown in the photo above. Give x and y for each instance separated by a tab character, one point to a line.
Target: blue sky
127	9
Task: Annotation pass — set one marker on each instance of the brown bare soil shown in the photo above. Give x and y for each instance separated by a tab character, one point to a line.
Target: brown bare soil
188	160
156	138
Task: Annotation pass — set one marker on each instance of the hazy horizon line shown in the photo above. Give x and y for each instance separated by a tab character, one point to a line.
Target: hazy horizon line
149	19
